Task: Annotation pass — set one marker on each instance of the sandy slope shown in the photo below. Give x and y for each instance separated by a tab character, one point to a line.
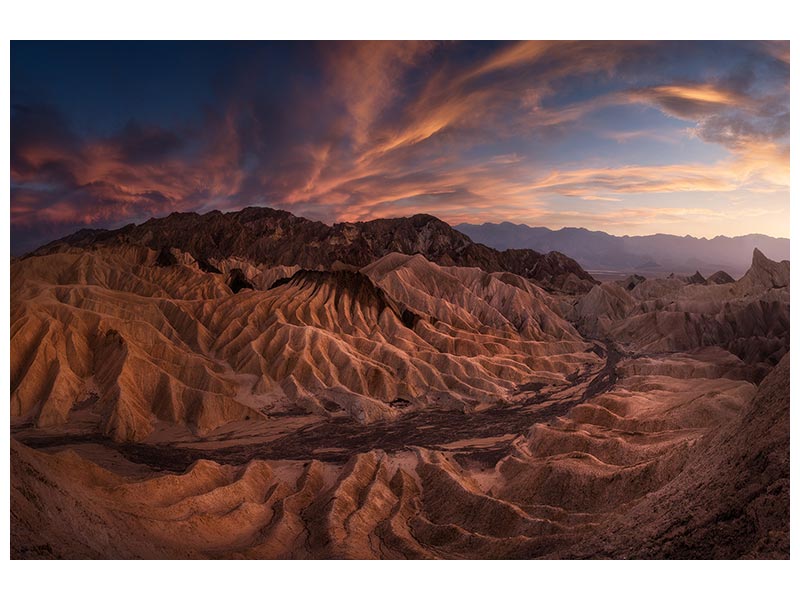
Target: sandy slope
142	343
404	410
749	318
601	468
731	499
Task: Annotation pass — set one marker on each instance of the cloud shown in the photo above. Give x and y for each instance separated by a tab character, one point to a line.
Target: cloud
60	177
691	101
139	144
361	130
778	49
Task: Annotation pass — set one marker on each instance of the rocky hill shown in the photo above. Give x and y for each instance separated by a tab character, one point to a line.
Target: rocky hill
194	398
275	237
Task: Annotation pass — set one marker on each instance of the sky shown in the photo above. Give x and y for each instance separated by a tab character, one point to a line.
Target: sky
631	138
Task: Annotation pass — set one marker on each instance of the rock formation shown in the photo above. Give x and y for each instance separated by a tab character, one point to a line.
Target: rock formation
720	277
263	386
275	237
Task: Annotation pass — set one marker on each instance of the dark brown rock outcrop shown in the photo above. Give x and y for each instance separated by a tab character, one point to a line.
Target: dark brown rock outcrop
696	278
719	278
275	237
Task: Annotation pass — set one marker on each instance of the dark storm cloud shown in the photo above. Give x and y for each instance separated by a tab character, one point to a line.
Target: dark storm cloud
139	144
41	140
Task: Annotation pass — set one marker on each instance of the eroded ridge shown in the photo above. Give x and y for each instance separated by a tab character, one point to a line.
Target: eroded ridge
400	409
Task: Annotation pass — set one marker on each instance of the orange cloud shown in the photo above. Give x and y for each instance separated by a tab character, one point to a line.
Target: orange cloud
391	131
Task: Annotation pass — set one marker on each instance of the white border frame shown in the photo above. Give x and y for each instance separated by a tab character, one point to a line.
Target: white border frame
411	19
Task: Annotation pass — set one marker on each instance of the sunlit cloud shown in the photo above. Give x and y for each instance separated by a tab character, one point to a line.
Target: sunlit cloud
467	132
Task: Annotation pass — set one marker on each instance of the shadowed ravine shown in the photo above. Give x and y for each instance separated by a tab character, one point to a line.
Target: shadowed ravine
335	441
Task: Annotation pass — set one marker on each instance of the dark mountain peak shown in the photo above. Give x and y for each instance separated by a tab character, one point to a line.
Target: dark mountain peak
554	269
354	285
354	282
766	273
696	278
631	281
423	219
174	217
256	213
418	222
720	277
83	234
87	232
276	237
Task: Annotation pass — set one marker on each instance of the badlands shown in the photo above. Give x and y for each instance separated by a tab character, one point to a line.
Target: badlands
257	385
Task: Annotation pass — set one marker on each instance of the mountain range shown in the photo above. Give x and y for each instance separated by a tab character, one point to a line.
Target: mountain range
658	254
258	385
276	237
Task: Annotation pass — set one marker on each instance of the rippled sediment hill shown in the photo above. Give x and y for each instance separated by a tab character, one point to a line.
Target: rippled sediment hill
749	317
172	401
110	335
570	489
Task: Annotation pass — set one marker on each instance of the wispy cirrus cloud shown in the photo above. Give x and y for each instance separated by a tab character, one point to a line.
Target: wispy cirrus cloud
469	132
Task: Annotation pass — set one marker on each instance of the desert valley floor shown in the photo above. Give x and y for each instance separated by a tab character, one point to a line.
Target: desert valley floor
256	385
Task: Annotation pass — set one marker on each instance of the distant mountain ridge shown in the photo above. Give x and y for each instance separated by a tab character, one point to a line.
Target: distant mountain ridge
275	237
659	253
